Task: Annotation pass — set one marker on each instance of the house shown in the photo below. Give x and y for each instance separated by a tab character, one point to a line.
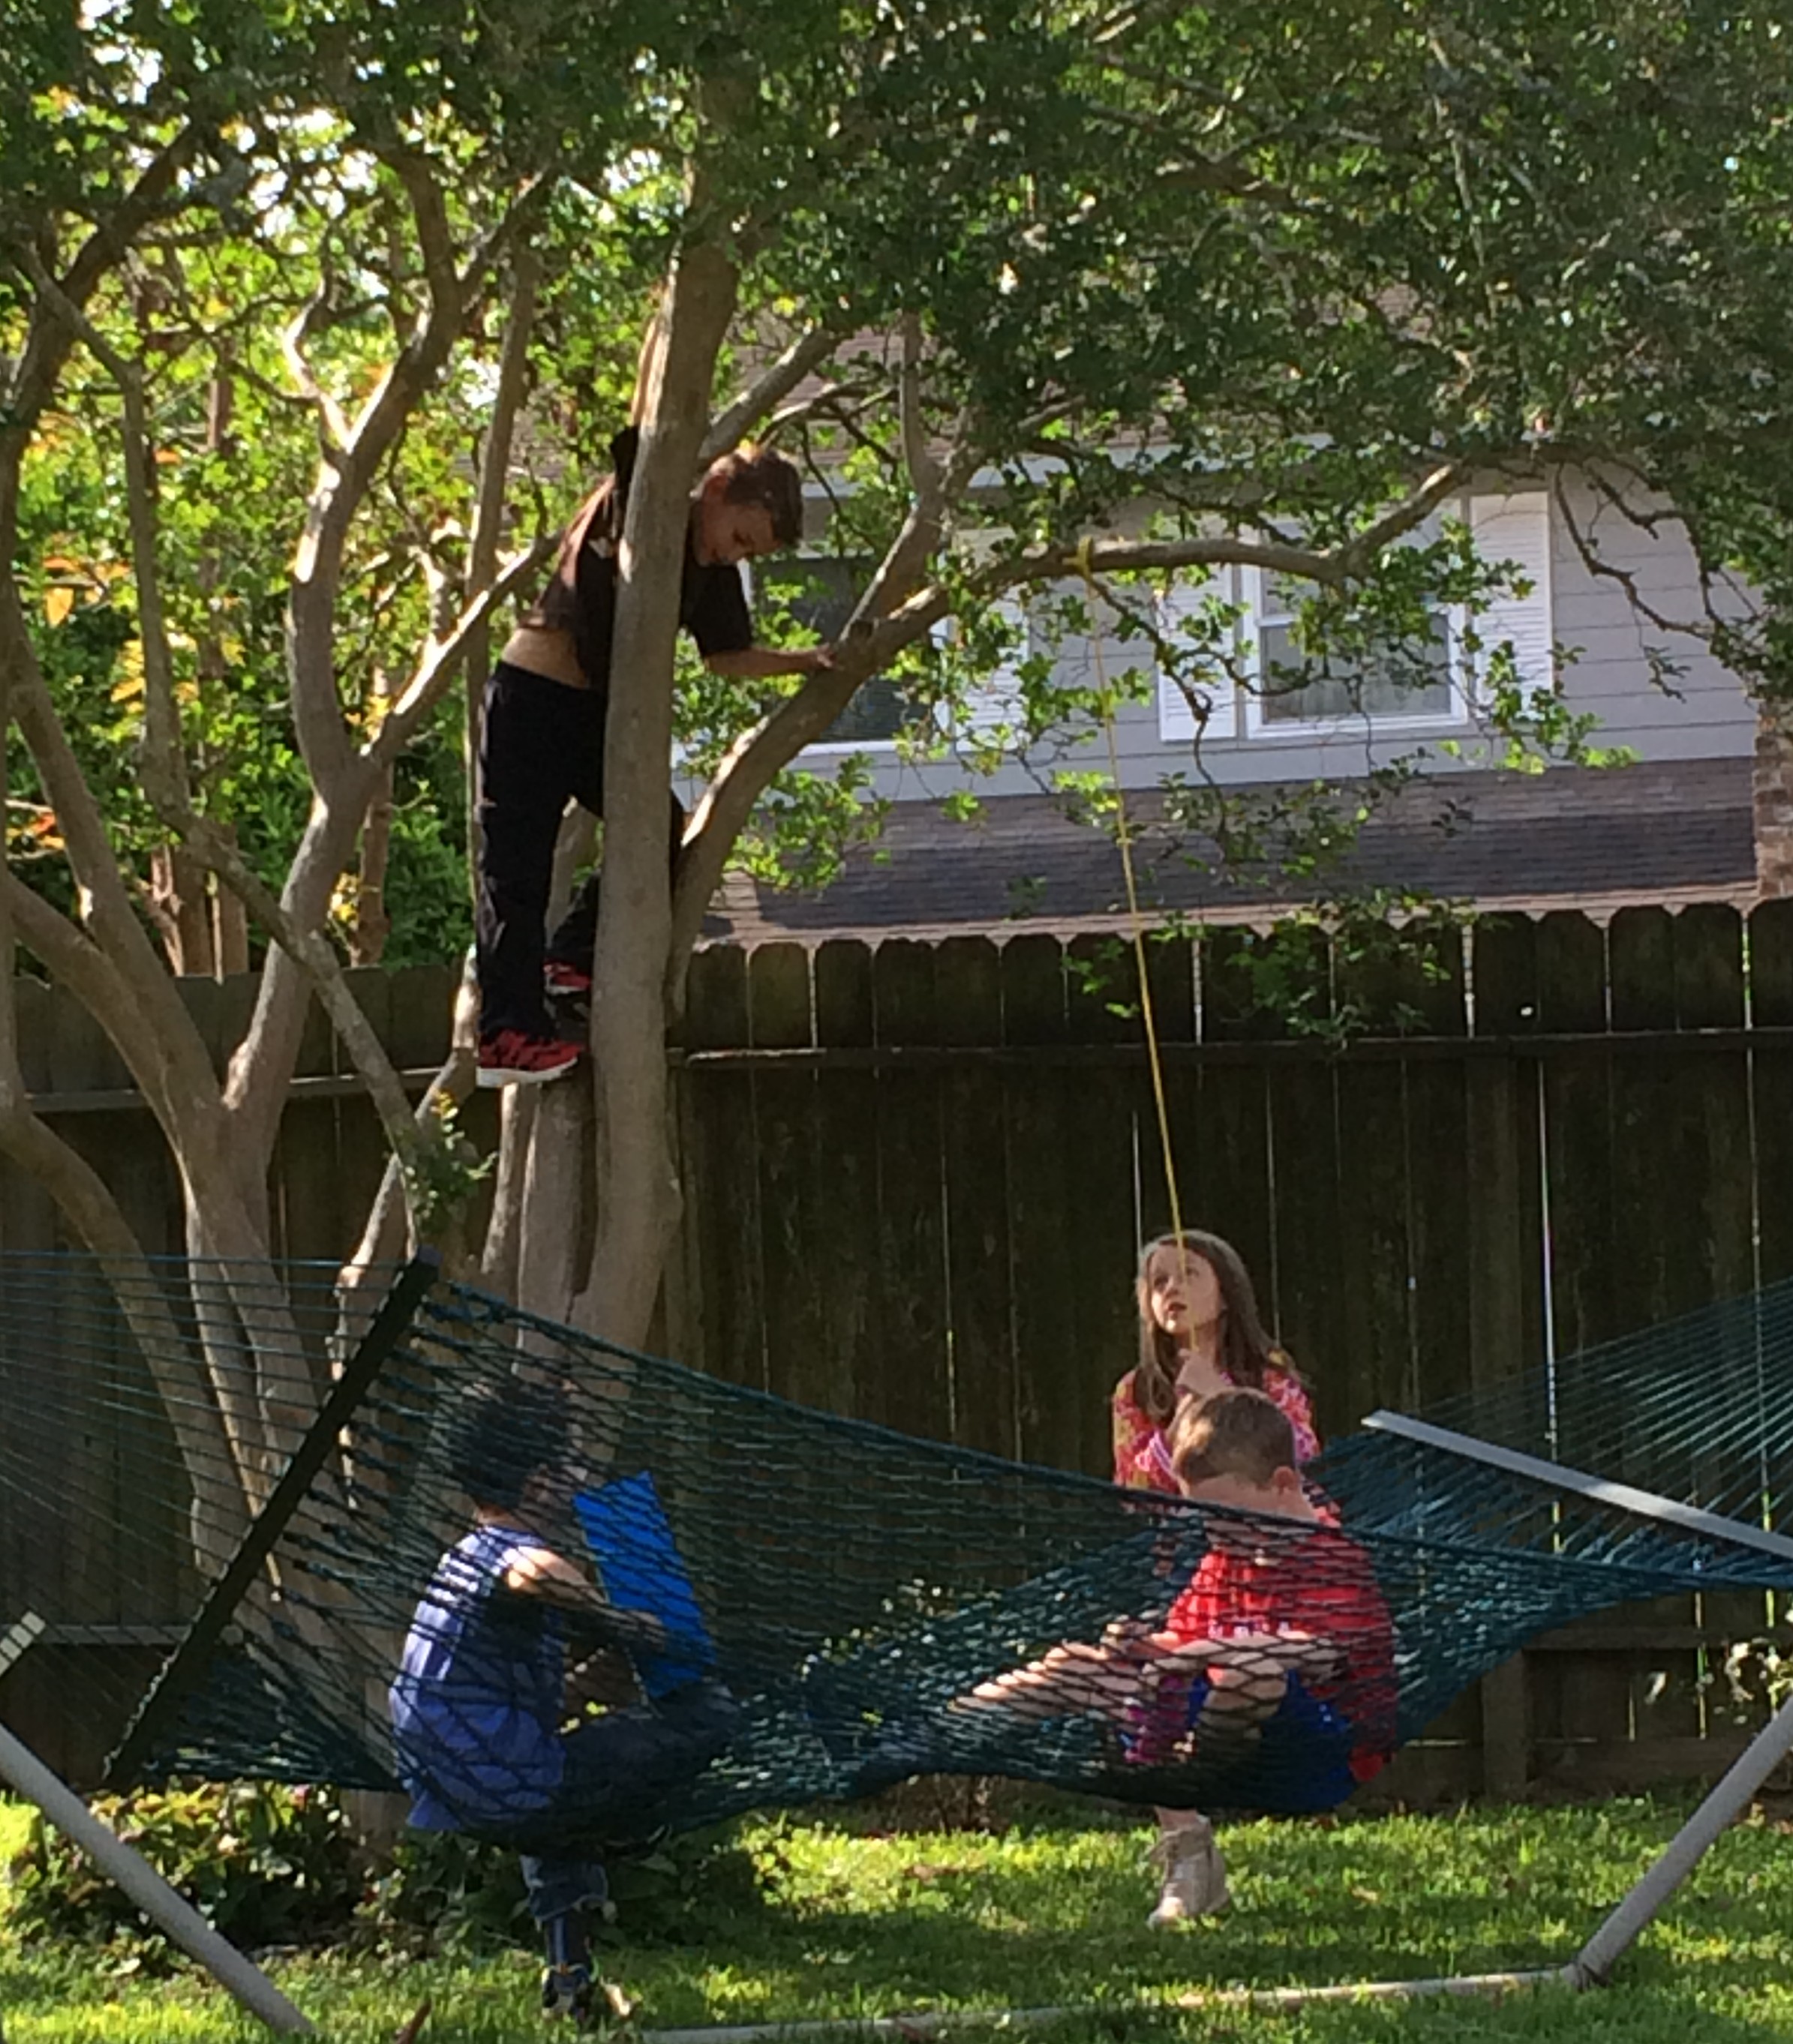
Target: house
1675	824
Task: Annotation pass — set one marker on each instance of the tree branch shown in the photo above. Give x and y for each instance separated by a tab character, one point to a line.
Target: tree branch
342	778
47	340
925	471
312	953
333	421
382	1236
438	667
873	642
775	382
494	475
163	759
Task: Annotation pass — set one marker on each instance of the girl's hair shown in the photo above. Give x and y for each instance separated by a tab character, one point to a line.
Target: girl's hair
756	476
1246	1351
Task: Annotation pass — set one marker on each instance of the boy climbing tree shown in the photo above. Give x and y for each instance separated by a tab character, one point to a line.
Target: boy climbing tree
543	732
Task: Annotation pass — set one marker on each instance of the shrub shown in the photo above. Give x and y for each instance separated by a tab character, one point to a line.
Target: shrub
271	1866
264	1864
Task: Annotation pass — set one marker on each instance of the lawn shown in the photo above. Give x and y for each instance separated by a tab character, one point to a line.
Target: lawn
846	1921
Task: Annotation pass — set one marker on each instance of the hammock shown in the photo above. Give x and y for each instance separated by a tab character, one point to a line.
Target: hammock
852	1599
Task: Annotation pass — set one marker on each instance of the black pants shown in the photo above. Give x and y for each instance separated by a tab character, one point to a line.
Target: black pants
621	1768
540	744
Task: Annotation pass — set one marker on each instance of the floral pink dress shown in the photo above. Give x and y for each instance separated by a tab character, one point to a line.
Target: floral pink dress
1142	1456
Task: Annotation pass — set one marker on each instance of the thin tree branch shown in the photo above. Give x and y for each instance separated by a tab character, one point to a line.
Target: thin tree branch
333	421
383	1235
437	668
342	778
924	469
775	383
47	340
163	759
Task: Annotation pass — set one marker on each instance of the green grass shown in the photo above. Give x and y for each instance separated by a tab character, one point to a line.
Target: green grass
1053	1912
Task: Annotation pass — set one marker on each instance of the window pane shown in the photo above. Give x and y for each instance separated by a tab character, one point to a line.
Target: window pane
819	592
876	712
1418	684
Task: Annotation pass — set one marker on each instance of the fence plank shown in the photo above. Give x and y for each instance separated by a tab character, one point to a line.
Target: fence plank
1372	1362
1051	1390
1589	1697
910	1252
1109	1118
852	1294
1221	1119
1572	991
1170	973
985	1389
793	1196
1771	1005
1310	1275
725	1282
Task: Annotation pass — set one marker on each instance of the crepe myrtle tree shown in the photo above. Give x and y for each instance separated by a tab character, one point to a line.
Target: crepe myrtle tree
310	301
1295	295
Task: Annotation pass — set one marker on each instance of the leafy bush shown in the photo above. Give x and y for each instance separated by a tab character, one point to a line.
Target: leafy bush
266	1866
271	1865
439	1891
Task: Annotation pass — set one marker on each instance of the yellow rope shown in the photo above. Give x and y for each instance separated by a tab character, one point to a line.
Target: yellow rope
1124	833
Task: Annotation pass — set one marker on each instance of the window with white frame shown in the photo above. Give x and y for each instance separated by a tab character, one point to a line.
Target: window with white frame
1297	690
1424	683
818	592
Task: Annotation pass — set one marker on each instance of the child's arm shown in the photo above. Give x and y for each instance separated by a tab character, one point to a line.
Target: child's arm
539	1572
760	663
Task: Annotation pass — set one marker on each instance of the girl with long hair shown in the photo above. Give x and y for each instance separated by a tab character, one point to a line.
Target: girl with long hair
1199	1333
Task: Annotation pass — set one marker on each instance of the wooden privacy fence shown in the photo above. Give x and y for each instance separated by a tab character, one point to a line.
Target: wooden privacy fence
917	1176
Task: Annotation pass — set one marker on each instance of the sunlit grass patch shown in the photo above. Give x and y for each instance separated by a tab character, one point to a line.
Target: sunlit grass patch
849	1921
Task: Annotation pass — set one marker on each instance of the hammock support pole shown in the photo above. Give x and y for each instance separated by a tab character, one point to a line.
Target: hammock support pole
1592	1966
934	2022
1598	1490
166	1910
181	1672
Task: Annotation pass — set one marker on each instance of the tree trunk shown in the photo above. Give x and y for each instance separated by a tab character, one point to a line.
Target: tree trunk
1774	801
638	1195
373	922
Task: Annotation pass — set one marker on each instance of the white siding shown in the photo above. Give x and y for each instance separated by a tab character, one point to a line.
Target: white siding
1708	715
1589	616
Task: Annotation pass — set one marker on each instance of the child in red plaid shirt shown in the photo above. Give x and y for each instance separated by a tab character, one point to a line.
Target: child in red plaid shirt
1278	1654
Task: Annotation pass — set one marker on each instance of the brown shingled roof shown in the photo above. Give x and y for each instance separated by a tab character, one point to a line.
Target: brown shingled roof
1588	838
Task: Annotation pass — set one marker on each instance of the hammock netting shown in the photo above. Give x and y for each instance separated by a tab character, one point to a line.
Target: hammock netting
847	1606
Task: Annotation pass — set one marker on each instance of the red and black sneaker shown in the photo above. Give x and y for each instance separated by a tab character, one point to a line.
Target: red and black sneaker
564	981
512	1057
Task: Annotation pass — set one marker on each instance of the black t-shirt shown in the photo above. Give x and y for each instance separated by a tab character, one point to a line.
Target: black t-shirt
581	596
